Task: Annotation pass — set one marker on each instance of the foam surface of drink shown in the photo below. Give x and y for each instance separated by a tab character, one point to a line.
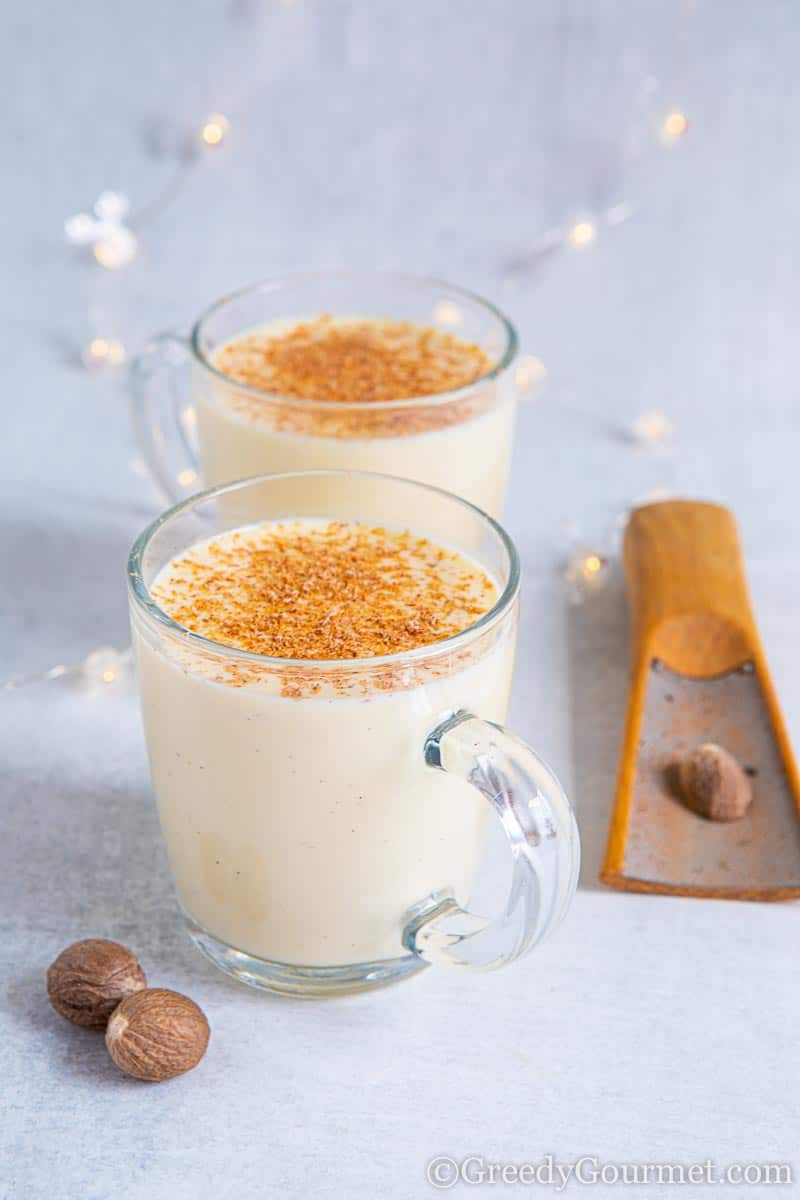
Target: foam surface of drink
347	393
323	590
352	360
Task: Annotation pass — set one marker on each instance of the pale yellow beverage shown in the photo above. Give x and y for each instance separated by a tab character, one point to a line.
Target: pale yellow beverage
291	803
336	392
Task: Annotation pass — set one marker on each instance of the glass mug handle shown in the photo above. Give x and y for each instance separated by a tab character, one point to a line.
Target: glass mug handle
163	423
545	847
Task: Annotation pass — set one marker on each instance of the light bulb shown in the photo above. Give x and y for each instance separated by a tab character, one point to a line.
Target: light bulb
215	129
582	233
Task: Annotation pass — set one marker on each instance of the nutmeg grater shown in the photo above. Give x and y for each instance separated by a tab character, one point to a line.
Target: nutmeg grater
698	674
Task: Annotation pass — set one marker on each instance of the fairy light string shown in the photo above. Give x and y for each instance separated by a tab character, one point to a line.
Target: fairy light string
110	231
101	668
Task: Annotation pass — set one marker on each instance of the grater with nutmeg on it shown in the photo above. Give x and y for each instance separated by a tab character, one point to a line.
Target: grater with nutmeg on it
702	710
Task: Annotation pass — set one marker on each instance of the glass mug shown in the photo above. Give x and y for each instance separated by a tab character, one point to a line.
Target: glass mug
324	819
459	440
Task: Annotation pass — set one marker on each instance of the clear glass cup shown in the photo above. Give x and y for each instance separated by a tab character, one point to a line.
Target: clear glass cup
220	430
324	820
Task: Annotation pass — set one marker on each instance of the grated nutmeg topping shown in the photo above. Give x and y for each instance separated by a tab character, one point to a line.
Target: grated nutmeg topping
353	361
323	591
349	368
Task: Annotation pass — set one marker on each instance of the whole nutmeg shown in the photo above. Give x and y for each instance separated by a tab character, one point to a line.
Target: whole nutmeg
713	783
89	979
157	1034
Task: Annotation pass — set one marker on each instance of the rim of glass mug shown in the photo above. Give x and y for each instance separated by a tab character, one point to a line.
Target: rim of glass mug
274	284
144	600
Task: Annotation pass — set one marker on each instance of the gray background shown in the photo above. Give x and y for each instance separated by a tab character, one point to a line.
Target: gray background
443	138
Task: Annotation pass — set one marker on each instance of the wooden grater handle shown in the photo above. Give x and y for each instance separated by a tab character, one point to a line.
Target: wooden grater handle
687	589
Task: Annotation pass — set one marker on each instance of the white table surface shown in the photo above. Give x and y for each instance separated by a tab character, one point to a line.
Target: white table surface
432	138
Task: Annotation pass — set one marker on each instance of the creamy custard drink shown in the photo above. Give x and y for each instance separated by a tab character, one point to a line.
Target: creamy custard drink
361	394
324	659
301	820
334	370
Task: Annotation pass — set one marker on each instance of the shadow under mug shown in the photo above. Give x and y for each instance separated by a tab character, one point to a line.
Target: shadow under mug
219	430
324	819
